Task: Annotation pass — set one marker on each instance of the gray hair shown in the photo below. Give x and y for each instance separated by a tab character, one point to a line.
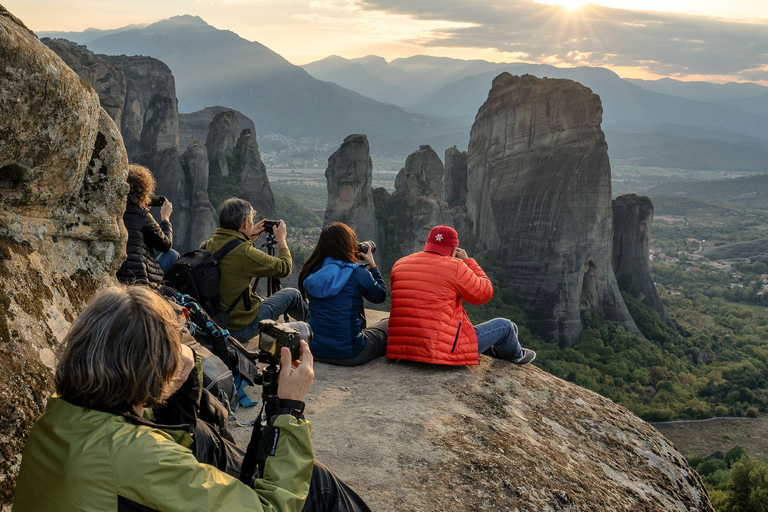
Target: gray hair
124	348
233	212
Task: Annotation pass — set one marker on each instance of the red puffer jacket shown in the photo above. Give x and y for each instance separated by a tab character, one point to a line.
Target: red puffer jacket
427	322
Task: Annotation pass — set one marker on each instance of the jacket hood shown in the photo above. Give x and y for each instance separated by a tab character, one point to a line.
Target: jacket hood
330	279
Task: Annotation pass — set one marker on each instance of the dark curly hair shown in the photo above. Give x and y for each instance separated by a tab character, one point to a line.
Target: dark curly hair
142	185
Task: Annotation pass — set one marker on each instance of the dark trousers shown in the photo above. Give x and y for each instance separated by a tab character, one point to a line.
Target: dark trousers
375	346
327	493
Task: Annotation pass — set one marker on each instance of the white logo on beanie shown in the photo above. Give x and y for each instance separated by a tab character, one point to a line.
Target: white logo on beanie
439	237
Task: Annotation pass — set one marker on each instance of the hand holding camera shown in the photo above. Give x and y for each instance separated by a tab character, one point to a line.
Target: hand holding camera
460	253
365	252
294	382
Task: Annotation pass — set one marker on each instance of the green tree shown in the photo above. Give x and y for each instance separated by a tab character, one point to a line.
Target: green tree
748	487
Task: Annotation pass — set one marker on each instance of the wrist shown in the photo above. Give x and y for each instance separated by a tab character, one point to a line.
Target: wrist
293	407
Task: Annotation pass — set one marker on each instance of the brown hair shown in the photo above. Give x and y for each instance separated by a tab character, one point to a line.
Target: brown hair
142	185
338	241
124	348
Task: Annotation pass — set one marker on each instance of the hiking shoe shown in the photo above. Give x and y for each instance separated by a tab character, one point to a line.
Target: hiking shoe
528	356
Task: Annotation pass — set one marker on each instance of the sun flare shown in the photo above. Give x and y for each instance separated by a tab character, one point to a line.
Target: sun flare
571	5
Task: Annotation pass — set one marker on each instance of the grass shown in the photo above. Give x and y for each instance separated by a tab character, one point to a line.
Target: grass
702	438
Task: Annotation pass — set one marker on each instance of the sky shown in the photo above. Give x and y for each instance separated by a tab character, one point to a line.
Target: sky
710	40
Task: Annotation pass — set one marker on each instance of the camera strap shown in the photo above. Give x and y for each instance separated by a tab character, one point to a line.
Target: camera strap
249	468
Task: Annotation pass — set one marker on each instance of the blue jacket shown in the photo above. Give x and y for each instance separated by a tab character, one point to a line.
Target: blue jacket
336	293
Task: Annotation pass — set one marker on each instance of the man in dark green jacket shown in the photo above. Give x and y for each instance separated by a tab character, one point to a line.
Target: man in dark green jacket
245	262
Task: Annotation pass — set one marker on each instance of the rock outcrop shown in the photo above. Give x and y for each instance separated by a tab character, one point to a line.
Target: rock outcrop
62	196
108	81
492	437
159	152
417	199
252	175
193	127
203	215
539	195
455	184
222	136
350	198
145	77
632	219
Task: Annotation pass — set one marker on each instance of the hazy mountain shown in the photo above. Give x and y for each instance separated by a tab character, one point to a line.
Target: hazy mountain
756	105
701	91
744	192
89	34
218	67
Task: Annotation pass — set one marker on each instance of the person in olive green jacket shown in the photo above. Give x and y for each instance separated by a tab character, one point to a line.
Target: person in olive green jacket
96	449
245	262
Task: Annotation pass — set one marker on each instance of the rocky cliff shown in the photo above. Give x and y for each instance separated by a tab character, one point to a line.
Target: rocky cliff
145	78
455	183
220	142
252	175
193	127
62	196
420	438
203	215
417	199
108	81
350	198
539	195
632	219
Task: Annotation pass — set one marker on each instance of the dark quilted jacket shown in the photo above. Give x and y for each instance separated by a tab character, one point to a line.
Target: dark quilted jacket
145	236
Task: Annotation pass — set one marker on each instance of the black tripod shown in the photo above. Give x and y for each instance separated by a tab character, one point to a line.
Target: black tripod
273	283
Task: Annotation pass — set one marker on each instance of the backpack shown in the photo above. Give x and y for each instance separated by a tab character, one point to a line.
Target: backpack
197	274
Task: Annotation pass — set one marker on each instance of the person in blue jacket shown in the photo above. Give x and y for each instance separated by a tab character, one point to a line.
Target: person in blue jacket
335	280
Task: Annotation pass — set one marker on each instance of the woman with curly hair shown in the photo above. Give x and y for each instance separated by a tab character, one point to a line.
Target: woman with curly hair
145	235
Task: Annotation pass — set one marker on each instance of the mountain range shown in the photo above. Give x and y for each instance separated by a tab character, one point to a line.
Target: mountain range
421	99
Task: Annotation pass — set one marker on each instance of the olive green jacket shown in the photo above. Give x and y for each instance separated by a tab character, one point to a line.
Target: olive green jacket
86	460
238	267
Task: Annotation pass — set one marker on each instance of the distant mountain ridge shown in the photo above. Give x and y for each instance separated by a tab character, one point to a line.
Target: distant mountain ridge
218	67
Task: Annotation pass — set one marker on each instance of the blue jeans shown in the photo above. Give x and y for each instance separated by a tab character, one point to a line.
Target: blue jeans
287	300
167	259
500	334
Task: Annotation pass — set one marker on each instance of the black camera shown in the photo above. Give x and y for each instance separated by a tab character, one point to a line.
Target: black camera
270	225
274	336
157	200
364	247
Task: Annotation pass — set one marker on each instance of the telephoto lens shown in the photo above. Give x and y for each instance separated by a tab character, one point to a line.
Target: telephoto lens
364	247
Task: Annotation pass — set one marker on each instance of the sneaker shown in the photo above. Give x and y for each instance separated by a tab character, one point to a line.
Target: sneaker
528	356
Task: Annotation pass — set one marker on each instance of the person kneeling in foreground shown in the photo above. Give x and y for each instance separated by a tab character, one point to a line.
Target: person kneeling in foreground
336	283
427	321
96	447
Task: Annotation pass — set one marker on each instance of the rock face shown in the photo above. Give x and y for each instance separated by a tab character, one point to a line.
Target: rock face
62	196
194	127
418	188
145	78
539	195
204	222
455	186
632	218
493	437
159	152
222	135
108	81
252	173
350	197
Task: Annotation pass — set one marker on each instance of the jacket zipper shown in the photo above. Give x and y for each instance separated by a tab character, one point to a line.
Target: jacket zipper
456	339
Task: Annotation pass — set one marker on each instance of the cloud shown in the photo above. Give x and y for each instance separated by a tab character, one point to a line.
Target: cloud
661	43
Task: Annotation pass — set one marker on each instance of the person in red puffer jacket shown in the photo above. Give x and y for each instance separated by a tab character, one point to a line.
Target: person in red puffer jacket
427	321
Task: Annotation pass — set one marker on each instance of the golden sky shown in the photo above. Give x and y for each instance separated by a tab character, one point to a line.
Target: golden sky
684	39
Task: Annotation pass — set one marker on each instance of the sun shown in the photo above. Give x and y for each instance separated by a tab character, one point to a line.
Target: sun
571	5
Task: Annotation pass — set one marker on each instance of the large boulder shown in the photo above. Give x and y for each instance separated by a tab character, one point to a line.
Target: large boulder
62	196
350	197
222	136
204	222
108	81
417	199
455	185
420	438
632	219
252	175
145	78
193	127
539	196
